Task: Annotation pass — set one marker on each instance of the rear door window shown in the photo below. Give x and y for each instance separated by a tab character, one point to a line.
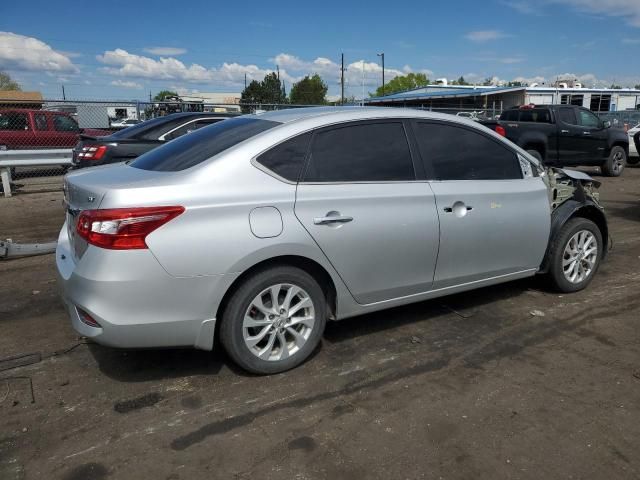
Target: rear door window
287	159
41	121
368	152
459	153
190	150
62	123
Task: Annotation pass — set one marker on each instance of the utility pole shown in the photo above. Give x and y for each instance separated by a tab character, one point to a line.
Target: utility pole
278	69
63	95
342	80
149	96
245	80
382	55
363	82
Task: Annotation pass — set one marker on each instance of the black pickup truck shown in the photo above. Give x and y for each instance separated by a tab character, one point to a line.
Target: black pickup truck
565	135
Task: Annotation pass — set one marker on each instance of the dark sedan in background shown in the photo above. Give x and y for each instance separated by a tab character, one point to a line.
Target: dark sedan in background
132	142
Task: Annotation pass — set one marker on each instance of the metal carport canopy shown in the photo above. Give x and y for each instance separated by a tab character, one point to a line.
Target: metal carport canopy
457	93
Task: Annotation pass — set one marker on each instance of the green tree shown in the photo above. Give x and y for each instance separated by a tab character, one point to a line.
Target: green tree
164	94
309	91
269	91
615	87
7	83
460	81
514	84
488	81
403	83
272	89
637	87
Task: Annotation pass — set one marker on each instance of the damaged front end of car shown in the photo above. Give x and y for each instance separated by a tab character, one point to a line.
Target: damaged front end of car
572	194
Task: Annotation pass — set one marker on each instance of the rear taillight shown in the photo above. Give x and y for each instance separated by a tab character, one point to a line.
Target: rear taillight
501	131
92	152
123	228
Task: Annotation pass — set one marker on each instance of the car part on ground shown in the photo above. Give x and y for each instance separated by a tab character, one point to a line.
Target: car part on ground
263	227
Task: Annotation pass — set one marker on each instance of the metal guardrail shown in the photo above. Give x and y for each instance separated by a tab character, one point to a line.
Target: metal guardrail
29	158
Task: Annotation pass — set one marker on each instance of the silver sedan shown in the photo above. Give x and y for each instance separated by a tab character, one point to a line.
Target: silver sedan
261	228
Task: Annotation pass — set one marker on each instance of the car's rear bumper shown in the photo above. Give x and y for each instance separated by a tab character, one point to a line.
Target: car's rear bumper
136	303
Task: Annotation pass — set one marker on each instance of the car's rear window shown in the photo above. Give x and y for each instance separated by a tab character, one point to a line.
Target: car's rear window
537	115
143	127
189	150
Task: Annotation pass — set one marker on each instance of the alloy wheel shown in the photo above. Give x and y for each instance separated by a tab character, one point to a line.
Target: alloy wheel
278	322
579	257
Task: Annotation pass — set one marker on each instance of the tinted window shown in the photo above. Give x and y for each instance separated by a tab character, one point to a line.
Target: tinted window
287	159
588	119
457	153
62	123
13	121
190	127
510	116
360	153
41	121
190	150
567	115
141	128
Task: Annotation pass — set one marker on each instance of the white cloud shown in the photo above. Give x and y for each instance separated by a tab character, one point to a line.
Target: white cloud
168	51
18	52
481	36
125	84
329	70
629	10
121	63
631	41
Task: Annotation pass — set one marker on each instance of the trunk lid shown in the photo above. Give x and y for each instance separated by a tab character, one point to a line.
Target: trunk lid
86	190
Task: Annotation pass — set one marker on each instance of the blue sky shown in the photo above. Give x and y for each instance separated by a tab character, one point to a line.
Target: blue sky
124	49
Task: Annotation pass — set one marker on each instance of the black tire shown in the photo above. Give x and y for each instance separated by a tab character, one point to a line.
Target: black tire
536	154
231	329
614	166
556	272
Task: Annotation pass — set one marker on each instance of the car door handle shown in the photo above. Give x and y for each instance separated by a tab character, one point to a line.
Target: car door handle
332	219
457	206
564	131
586	134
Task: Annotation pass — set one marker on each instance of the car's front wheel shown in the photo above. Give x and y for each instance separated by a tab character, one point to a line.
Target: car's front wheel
614	166
274	320
576	256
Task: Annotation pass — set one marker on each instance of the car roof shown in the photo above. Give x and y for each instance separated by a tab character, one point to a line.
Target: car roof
319	116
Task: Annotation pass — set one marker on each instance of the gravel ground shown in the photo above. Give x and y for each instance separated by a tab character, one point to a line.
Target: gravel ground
467	386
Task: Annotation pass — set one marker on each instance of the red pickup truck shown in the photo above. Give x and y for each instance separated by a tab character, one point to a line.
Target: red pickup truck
26	129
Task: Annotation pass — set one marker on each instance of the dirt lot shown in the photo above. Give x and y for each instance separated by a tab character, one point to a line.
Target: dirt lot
470	386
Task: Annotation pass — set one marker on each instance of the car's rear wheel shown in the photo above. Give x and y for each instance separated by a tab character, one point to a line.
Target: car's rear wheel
576	256
614	166
274	320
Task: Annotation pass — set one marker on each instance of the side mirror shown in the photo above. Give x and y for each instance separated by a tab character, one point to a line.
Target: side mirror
606	124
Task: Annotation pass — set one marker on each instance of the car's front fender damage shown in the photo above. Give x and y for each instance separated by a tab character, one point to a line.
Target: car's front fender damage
572	194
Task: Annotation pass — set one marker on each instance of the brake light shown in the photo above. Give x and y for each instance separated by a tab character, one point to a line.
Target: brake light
501	131
92	152
123	228
528	107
